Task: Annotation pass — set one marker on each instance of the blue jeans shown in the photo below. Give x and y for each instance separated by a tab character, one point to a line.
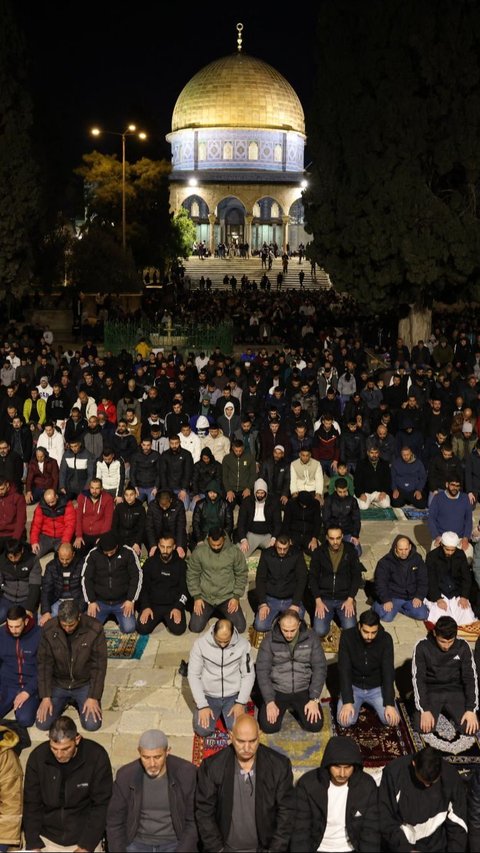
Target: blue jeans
372	697
276	606
400	605
61	698
25	715
221	707
334	605
145	493
125	623
140	847
186	501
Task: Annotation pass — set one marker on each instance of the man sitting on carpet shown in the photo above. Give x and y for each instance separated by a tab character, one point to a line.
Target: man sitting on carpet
291	669
245	796
449	582
401	582
336	804
422	804
152	805
444	680
221	676
365	666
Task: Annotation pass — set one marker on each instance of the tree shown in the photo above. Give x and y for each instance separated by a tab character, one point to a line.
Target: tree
392	200
20	186
151	234
99	265
186	233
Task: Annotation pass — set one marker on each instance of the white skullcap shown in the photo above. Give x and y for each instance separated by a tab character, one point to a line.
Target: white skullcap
279	447
450	539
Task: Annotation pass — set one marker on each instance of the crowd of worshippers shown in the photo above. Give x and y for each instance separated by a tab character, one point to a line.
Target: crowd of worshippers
153	482
243	798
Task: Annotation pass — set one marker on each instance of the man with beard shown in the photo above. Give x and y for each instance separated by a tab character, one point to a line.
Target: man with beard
152	805
210	512
259	520
216	578
164	590
176	469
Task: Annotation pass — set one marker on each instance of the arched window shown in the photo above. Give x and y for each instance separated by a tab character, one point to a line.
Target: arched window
274	213
252	151
256	210
227	151
195	210
277	153
202	151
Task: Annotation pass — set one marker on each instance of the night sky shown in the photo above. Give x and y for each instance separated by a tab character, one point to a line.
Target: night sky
92	63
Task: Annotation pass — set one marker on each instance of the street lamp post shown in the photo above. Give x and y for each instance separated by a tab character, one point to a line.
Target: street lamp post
130	131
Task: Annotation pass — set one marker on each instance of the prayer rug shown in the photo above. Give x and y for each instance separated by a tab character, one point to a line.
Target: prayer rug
304	749
331	641
125	646
376	513
470	633
460	750
378	744
412	514
205	746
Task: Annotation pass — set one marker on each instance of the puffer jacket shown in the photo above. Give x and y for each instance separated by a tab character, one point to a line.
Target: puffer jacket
220	672
397	578
53	586
20	582
344	512
57	522
361	813
11	789
170	521
281	669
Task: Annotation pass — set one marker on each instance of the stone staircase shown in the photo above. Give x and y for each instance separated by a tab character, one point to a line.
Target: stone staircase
217	268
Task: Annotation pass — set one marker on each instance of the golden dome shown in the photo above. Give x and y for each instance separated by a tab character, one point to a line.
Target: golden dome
238	91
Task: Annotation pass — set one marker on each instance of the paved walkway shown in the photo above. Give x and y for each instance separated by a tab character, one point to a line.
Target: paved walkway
149	692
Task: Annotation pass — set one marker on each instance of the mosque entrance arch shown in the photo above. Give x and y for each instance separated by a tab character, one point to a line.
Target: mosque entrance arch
231	217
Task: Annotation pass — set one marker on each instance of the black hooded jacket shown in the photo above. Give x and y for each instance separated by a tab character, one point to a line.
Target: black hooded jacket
361	814
397	578
204	473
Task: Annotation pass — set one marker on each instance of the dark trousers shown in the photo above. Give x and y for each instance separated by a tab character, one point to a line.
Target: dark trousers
198	623
162	614
409	499
451	704
294	702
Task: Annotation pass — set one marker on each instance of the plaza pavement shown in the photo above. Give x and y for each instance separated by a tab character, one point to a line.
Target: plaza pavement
149	693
